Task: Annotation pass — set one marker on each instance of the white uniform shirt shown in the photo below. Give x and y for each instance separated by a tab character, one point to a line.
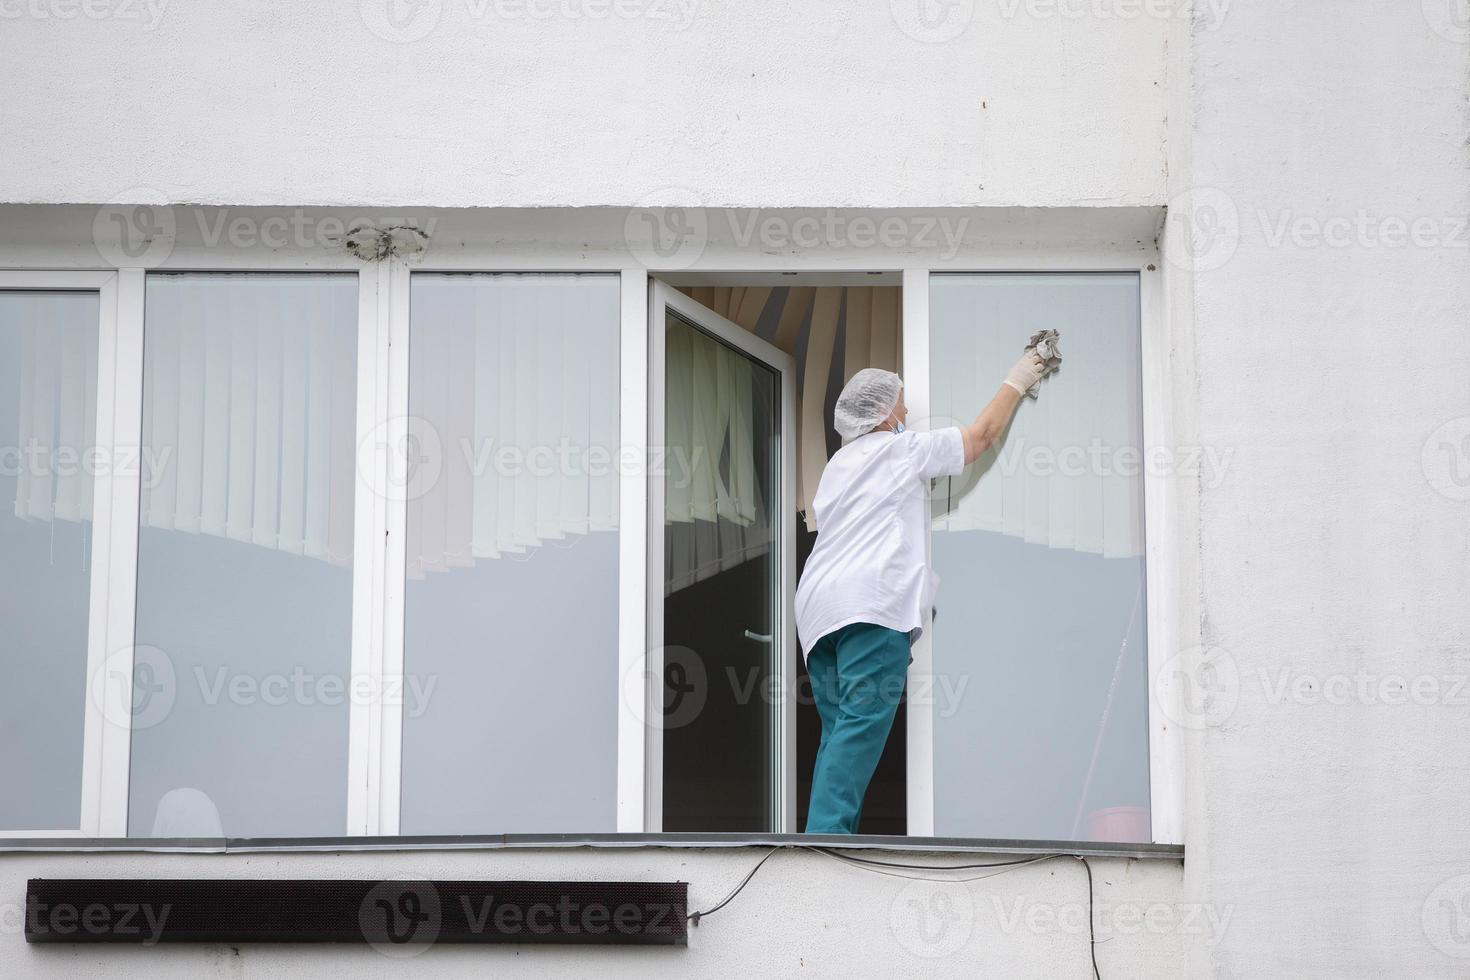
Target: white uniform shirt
870	563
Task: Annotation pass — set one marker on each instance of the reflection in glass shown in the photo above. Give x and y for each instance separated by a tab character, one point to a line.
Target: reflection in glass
241	685
48	411
721	581
1040	712
511	618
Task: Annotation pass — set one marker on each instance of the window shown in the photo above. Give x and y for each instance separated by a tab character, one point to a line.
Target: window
245	553
48	413
369	550
1039	639
510	687
724	521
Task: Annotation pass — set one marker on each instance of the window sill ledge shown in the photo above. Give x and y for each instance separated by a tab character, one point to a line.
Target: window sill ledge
492	842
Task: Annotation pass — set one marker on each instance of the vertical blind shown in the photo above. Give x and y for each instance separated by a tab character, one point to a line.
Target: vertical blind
236	362
1067	473
516	396
715	515
232	361
56	408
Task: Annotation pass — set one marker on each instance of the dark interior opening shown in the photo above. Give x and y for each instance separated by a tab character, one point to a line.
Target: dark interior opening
885	809
717	759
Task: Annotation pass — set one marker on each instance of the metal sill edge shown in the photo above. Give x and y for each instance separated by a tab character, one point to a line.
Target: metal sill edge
491	842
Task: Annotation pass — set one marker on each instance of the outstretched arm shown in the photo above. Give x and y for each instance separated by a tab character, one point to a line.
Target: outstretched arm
986	430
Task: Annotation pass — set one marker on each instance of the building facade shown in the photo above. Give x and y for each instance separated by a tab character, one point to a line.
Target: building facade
412	413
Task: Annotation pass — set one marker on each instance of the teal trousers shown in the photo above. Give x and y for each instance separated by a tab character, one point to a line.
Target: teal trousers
857	674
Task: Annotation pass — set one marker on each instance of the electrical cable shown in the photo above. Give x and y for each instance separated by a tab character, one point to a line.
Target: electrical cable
694	917
1009	866
926	867
1091	936
876	867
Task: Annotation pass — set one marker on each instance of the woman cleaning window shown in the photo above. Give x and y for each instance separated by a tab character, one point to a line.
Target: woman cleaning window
867	583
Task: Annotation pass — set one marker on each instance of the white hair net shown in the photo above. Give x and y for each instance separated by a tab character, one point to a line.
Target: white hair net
866	400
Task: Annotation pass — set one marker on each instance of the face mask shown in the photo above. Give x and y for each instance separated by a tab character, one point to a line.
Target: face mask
898	428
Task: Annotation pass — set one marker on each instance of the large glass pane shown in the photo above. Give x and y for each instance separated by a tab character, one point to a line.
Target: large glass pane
48	410
1040	699
511	601
244	611
722	622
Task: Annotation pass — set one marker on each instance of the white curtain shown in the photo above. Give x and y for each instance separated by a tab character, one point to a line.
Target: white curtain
1066	475
515	378
715	514
249	410
57	410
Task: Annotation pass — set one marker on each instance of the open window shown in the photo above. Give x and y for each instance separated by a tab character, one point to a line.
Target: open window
721	571
750	367
475	549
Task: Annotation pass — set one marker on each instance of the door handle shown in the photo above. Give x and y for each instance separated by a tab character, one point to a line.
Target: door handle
758	637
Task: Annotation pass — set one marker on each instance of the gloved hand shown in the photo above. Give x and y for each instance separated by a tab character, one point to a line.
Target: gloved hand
1027	372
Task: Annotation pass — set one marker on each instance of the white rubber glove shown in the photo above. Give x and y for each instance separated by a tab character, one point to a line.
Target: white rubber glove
1027	372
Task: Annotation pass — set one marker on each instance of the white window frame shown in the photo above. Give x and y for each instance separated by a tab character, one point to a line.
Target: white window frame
1166	772
108	615
107	745
783	366
374	754
375	790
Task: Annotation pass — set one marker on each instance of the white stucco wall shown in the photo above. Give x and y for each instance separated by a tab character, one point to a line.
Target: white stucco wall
1332	570
579	102
804	914
1334	554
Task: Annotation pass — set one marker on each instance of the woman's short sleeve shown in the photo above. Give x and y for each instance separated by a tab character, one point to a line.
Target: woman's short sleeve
935	454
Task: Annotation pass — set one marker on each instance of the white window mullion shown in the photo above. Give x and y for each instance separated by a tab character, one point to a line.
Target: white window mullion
370	531
634	545
654	574
1166	749
120	422
402	442
95	722
920	731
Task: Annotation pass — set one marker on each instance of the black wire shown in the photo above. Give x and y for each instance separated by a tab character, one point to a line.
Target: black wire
694	917
1091	936
920	867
